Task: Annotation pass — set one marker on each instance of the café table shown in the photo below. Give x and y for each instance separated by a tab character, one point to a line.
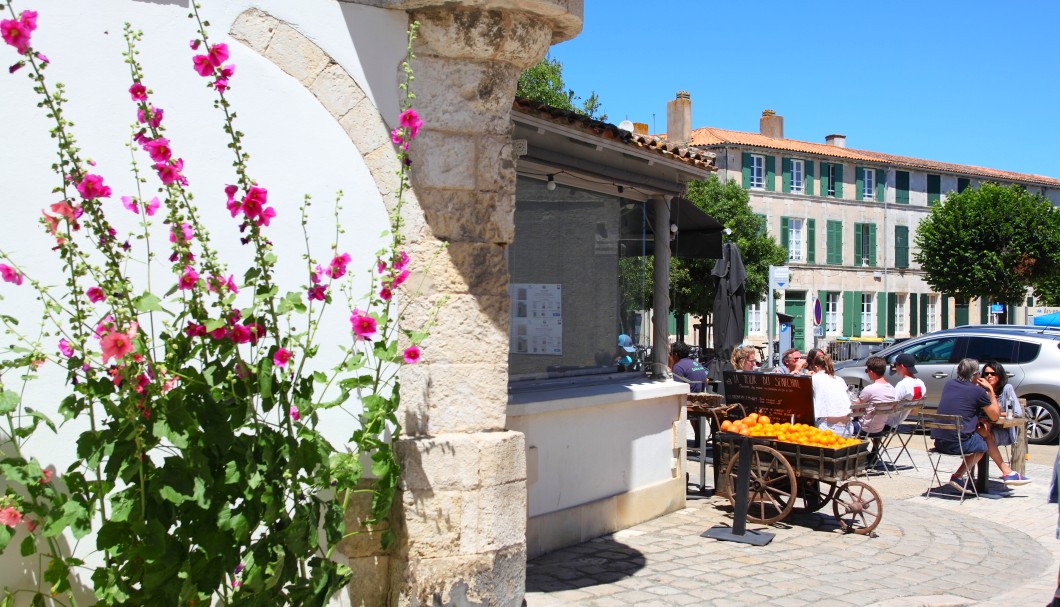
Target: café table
1018	452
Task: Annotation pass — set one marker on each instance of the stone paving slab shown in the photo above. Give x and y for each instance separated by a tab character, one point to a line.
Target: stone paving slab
926	551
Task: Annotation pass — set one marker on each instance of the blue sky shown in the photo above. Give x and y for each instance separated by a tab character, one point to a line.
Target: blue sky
969	82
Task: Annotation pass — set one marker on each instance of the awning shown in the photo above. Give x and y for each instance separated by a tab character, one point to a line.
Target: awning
698	234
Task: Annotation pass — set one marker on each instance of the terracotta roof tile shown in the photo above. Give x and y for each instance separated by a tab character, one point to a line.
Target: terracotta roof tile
698	158
709	137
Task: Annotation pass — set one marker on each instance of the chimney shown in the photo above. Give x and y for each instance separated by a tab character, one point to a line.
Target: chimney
679	119
771	125
640	128
840	141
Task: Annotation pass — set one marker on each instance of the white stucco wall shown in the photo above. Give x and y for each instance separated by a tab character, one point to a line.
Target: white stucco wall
296	148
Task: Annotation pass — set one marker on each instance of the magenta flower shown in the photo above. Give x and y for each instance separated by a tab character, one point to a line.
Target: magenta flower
220	85
195	330
194	44
202	65
138	91
95	294
152	206
159	149
403	260
188	278
295	413
385	294
219	333
9	516
116	345
218	54
397	137
15	67
28	19
153	116
185	236
17	32
281	357
364	326
10	274
130	203
43	58
92	187
254	202
65	348
241	334
266	216
400	278
337	267
411	121
317	292
412	355
170	172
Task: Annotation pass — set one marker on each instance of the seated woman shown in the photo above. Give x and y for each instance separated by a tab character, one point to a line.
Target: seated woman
743	358
994	374
831	402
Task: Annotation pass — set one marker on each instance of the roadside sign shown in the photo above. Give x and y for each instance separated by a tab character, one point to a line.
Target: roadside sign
779	276
817	311
997	308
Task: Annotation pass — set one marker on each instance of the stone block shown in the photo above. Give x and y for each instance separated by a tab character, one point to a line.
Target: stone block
461	336
470	97
443	160
472	33
459	398
382	162
337	91
371	581
368	541
432	522
496	579
494	517
254	28
460	215
296	54
502	458
368	132
496	169
440	463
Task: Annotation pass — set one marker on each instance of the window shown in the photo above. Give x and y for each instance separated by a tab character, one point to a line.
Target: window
901	187
831	312
834	242
797	176
866	313
797	236
864	244
932	352
934	189
832	179
899	313
985	348
962	185
763	224
758	171
931	313
754	317
794	239
901	246
868	184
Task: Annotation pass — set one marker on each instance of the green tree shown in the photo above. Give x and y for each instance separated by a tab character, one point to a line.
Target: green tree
544	83
992	242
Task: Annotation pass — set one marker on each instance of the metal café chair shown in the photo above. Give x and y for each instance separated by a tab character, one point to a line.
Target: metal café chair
882	437
952	424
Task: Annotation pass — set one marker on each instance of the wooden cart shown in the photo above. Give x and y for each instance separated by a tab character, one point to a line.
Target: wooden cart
784	472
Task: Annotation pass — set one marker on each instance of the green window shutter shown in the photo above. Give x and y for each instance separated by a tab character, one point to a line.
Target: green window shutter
824	178
834	238
811	241
872	244
881	184
924	310
850	314
786	181
783	236
962	184
912	311
859	183
858	250
771	173
882	299
984	311
901	246
838	180
945	305
901	187
892	305
746	170
1030	302
808	178
934	189
960	311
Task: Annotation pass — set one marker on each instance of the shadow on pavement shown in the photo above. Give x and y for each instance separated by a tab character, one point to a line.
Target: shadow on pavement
599	561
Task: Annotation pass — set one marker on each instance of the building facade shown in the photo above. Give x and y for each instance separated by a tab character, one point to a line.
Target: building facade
848	218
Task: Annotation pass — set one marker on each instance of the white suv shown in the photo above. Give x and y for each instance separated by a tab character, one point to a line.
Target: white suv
1031	356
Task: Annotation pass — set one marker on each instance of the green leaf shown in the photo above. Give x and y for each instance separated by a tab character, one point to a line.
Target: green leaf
215	323
42	417
6	533
265	378
149	302
8	401
29	545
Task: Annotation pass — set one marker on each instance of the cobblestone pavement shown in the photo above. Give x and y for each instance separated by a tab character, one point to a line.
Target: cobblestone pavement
925	552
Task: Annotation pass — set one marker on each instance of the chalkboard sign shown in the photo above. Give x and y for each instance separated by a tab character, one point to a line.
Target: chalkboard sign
777	395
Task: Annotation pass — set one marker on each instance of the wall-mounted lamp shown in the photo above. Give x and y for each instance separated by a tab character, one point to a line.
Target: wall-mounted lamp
673	228
551	185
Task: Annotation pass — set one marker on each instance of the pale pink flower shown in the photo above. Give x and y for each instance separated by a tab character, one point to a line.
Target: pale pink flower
116	345
281	357
10	274
364	326
152	206
188	278
92	187
64	210
65	348
95	294
48	475
10	517
51	223
138	91
412	355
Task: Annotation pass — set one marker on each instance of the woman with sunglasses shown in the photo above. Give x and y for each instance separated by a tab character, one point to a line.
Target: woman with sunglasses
994	373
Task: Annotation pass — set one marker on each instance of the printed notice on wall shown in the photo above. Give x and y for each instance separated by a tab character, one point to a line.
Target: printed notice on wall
537	319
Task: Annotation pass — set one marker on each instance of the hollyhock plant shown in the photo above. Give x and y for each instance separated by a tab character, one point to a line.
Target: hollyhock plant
197	426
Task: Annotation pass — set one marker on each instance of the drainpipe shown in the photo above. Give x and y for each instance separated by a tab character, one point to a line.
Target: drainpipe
660	294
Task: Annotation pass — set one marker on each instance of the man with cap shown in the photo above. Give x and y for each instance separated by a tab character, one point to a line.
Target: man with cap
910	387
624	355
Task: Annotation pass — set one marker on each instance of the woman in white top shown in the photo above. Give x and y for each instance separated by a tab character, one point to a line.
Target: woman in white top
831	402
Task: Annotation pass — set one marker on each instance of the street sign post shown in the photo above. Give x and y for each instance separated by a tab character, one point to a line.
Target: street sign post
779	278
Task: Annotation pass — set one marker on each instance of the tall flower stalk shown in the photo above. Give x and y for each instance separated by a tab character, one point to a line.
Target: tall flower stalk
202	473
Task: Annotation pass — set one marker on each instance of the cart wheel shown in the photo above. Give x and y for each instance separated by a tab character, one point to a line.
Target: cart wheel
771	488
858	507
815	494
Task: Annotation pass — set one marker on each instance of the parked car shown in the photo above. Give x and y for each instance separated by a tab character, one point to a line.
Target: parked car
1031	356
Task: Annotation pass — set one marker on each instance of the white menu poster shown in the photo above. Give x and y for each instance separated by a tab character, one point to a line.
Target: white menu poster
537	319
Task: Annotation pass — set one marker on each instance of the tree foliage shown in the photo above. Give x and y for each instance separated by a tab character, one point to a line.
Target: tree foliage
991	242
544	83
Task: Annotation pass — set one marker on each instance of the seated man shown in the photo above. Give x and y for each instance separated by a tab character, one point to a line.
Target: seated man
791	363
970	397
685	369
879	391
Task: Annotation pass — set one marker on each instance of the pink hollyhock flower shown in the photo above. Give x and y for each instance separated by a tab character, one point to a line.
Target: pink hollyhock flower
152	206
397	137
28	19
412	355
10	274
159	149
380	266
16	67
95	294
337	267
141	383
364	326
92	187
254	202
266	216
188	278
281	357
385	294
51	223
195	330
63	209
43	58
202	65
316	275
400	278
17	32
105	325
10	517
218	54
65	348
295	413
138	91
241	334
317	292
403	260
48	475
194	44
153	116
411	121
228	71
170	172
220	85
130	203
116	345
219	333
186	233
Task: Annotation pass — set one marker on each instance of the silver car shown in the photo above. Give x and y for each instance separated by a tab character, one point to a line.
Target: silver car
1031	356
